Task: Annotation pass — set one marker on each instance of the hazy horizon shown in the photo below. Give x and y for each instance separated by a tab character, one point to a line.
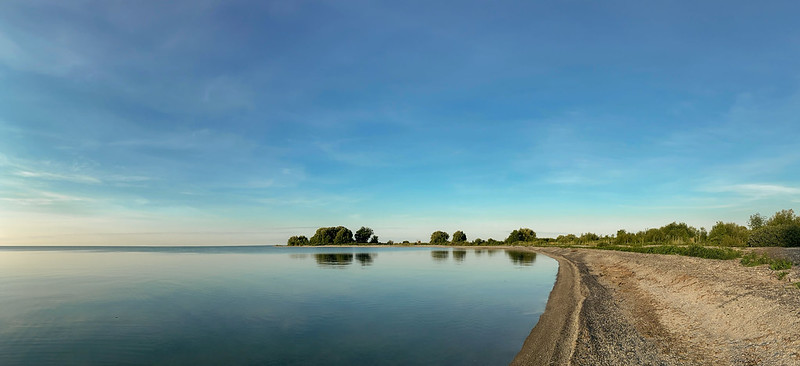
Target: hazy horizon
238	123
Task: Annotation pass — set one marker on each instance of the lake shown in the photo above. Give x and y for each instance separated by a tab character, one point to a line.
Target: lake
267	305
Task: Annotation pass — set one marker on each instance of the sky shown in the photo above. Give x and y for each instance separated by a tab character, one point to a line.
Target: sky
207	122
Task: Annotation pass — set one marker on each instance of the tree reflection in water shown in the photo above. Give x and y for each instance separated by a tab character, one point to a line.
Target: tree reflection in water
459	255
440	255
521	258
334	259
365	258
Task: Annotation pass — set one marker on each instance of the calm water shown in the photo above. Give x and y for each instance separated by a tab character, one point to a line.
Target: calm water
268	305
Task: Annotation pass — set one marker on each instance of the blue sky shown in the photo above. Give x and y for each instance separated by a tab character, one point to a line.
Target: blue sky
228	122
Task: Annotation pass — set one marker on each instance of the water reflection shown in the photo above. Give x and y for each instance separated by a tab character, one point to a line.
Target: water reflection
491	251
334	259
365	258
459	255
478	251
298	256
521	258
440	255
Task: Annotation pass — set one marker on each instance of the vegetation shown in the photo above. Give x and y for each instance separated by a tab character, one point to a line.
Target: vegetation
459	237
775	264
690	251
374	240
781	275
521	235
780	230
363	234
297	241
332	235
439	237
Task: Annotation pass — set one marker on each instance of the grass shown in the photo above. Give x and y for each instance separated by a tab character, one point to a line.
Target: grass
782	275
796	284
689	251
775	264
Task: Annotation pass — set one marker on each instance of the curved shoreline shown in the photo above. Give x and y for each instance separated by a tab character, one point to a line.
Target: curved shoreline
552	340
620	308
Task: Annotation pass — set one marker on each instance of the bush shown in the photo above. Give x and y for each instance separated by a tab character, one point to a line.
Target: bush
690	251
775	264
459	237
297	241
784	235
728	234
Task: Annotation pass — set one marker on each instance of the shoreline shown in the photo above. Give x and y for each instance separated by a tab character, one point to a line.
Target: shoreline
621	308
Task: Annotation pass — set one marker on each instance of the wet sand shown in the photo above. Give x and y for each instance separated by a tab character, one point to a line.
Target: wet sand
617	308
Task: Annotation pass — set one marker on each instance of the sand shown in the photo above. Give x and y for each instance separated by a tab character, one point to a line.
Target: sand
617	308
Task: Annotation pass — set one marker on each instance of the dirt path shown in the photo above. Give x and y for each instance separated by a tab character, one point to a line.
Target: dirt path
646	309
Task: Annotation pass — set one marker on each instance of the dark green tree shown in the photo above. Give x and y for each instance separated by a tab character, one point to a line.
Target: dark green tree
523	234
343	236
459	237
297	241
374	240
439	237
363	234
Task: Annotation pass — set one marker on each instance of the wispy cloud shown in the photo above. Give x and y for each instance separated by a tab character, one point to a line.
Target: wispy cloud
757	189
43	198
77	178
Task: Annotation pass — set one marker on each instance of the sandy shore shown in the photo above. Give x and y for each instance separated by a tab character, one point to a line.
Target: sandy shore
617	308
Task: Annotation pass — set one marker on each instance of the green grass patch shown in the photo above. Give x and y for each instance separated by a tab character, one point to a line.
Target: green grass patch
775	264
689	251
796	284
782	275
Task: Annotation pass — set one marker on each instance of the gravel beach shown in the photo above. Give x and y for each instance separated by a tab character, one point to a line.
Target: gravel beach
618	308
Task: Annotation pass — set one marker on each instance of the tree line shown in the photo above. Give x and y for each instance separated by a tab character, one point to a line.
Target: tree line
781	229
336	235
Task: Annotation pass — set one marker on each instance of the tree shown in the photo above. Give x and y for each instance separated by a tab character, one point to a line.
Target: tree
363	234
523	234
297	241
332	235
783	217
756	221
343	236
728	234
374	240
439	237
459	237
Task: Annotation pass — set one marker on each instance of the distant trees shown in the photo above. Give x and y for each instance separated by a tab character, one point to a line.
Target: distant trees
363	234
332	235
297	241
728	234
522	234
459	237
782	229
374	239
439	237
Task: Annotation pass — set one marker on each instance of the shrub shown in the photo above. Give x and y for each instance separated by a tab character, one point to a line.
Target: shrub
459	237
297	241
728	234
